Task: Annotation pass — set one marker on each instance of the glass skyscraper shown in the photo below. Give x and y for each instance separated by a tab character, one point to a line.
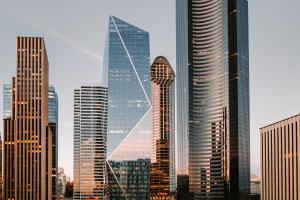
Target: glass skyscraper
7	101
52	105
53	123
90	131
162	176
213	98
129	180
127	63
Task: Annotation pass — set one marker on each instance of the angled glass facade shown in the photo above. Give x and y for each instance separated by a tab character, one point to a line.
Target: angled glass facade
213	69
128	82
129	179
127	61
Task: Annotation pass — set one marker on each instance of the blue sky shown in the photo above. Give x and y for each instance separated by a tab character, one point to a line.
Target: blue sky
75	34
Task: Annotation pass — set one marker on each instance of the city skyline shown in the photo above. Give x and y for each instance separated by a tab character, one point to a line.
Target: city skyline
269	113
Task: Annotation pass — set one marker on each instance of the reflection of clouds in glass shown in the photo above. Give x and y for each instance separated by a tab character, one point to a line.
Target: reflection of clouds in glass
129	104
137	143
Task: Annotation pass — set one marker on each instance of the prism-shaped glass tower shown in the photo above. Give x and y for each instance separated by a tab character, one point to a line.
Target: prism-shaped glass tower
127	64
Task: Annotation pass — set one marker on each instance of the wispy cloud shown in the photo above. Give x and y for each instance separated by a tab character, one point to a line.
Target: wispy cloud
66	40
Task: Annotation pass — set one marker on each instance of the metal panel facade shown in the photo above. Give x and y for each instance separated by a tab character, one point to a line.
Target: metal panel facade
280	164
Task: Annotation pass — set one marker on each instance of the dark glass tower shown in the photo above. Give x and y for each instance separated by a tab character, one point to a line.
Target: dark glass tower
129	180
213	98
53	123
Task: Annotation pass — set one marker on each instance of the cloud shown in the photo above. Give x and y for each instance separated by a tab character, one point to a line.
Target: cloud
66	40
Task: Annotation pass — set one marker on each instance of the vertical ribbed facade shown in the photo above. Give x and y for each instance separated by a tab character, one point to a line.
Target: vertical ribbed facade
52	120
162	176
280	163
213	69
90	133
182	86
27	136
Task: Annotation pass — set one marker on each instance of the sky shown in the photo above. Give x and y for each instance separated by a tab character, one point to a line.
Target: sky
75	34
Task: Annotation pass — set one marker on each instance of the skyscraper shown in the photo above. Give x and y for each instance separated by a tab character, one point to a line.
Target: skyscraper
126	62
162	176
53	123
7	93
27	135
1	163
255	187
90	130
213	97
280	159
61	183
129	179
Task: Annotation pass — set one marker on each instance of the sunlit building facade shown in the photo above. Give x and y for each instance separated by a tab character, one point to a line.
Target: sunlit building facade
126	63
129	180
280	159
213	98
53	124
162	176
27	135
90	133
